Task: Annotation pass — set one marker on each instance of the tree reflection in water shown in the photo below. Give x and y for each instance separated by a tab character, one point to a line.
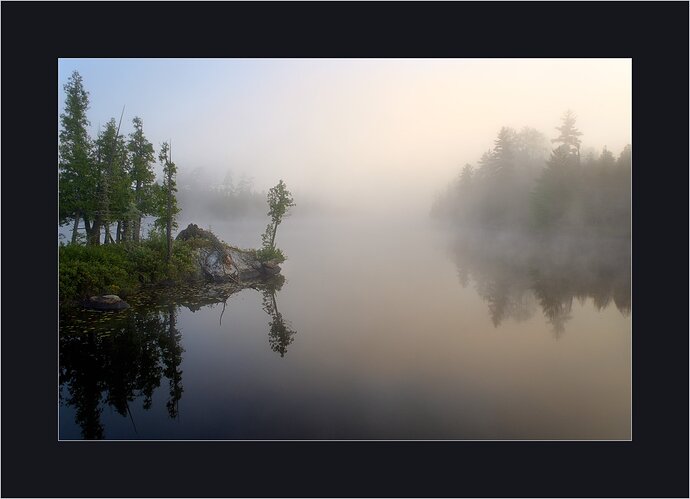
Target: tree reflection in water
279	333
171	352
125	356
516	277
120	360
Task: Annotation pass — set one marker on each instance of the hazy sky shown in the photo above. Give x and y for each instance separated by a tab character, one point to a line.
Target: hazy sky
376	132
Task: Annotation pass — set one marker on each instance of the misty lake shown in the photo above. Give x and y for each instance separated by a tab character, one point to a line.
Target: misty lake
381	330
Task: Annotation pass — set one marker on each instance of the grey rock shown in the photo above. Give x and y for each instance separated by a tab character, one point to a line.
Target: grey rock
193	231
271	268
220	262
106	302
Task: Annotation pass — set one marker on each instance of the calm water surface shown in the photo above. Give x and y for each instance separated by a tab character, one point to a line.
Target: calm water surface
380	330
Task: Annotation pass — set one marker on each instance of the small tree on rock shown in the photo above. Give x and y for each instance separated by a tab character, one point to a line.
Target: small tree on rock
279	202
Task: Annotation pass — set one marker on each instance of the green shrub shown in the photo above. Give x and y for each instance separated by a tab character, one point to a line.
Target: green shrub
182	261
88	270
270	253
120	268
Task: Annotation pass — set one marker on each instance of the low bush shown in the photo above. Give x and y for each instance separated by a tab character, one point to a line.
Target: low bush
87	270
269	253
119	268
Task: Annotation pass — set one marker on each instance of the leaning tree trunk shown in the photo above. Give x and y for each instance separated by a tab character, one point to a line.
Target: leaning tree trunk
126	229
136	222
74	230
95	232
275	305
136	229
273	236
168	226
168	233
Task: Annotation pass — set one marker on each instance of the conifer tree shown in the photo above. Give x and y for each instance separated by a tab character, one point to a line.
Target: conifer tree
167	208
279	202
76	172
569	135
113	191
141	175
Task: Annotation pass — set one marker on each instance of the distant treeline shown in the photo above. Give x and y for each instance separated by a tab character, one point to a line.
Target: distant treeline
519	185
224	200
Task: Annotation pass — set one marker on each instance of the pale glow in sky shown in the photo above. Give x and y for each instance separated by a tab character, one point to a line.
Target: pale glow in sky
380	133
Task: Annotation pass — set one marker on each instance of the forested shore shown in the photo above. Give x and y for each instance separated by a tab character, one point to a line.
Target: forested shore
522	185
107	186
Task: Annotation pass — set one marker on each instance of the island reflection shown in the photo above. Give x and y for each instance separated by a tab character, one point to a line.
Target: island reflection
516	277
123	357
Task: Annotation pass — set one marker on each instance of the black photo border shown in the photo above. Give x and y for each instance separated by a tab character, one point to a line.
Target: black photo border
653	34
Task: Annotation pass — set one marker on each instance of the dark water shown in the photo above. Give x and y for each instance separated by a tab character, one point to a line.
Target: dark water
379	330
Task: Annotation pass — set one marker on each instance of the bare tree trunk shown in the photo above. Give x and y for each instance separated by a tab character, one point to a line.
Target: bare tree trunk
95	233
108	237
118	232
168	225
273	236
136	223
74	230
275	305
168	232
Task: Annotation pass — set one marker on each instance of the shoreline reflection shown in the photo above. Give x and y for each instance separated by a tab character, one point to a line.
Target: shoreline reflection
517	277
114	359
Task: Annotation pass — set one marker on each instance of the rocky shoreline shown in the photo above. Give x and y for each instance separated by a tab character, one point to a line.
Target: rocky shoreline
219	262
215	261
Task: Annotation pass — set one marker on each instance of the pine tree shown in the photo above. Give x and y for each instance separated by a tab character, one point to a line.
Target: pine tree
504	149
279	202
141	175
76	172
113	192
569	134
167	207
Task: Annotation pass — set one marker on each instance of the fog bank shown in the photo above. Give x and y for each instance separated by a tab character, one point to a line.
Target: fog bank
370	134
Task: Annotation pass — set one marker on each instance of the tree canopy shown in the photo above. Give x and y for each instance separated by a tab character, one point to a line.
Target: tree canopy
516	186
108	182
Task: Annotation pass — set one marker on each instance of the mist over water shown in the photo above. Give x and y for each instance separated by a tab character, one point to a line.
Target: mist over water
401	332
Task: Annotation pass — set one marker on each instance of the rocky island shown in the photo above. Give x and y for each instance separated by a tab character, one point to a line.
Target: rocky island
213	262
217	261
